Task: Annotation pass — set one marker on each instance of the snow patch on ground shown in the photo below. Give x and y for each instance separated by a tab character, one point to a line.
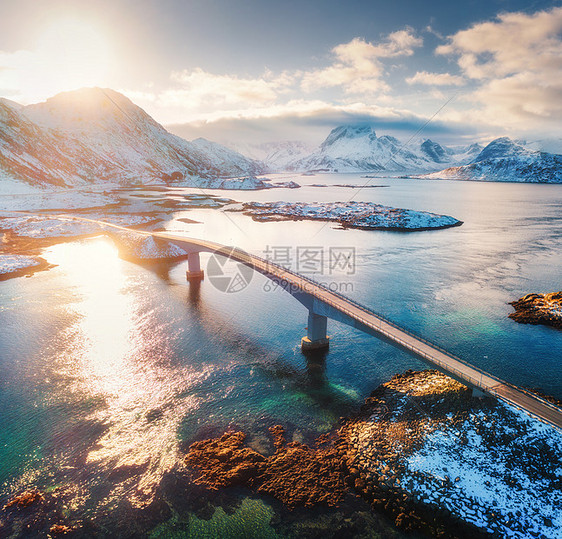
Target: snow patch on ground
38	227
505	492
11	263
52	199
66	227
11	186
124	219
146	247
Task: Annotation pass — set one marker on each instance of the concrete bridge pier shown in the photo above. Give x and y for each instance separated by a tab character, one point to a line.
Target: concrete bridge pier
194	272
316	338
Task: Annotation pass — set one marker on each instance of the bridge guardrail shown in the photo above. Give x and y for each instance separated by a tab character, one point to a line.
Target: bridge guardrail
478	383
248	259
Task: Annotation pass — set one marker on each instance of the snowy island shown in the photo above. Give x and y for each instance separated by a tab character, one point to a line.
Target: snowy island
362	215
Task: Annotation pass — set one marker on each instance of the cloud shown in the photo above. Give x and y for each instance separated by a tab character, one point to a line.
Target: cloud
199	86
516	63
357	65
311	121
196	94
430	30
435	79
513	43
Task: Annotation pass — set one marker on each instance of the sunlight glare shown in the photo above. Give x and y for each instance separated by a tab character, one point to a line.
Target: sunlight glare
71	53
110	354
105	311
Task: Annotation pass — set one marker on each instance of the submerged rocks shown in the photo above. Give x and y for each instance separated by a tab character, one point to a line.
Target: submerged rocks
60	529
25	499
361	458
296	474
539	309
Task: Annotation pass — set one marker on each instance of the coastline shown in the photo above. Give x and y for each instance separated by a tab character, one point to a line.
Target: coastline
385	455
359	475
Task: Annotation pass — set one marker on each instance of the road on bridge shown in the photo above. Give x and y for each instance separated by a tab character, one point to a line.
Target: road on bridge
418	346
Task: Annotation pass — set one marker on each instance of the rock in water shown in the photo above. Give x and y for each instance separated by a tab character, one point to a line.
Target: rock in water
539	309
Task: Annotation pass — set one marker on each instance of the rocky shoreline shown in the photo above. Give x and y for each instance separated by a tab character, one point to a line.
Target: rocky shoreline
535	309
24	235
358	215
376	455
386	470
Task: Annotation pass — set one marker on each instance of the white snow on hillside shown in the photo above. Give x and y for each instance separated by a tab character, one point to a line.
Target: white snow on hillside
507	161
355	148
98	135
225	158
276	155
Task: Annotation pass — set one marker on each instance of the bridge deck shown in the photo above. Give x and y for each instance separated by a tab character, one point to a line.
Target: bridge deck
416	345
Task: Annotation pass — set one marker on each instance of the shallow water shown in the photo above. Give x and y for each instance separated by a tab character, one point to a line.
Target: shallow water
108	370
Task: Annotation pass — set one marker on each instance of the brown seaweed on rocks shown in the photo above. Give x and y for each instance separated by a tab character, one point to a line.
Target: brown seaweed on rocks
331	471
539	309
295	474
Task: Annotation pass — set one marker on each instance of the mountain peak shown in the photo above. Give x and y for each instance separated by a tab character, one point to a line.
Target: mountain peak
10	104
349	132
500	147
84	107
433	150
86	97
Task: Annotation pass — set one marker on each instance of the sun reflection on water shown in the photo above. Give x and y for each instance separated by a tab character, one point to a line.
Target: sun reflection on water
118	348
106	326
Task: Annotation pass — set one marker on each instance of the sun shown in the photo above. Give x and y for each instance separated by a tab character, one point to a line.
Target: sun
71	53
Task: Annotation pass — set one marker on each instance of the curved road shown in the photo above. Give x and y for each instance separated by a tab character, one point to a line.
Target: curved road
386	329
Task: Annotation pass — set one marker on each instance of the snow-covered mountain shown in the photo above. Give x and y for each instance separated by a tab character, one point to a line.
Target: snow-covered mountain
549	145
95	134
226	159
276	155
357	148
508	161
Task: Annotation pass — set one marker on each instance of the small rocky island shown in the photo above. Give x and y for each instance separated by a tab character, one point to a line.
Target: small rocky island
421	450
362	215
539	309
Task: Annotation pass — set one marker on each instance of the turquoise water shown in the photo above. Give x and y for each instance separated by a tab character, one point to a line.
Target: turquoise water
108	370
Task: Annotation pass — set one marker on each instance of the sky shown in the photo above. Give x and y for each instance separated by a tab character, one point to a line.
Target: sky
249	71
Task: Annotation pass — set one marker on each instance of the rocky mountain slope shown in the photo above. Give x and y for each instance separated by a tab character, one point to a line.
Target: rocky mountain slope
94	135
506	160
276	155
357	148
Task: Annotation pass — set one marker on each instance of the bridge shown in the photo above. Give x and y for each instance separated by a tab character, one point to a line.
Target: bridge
323	304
